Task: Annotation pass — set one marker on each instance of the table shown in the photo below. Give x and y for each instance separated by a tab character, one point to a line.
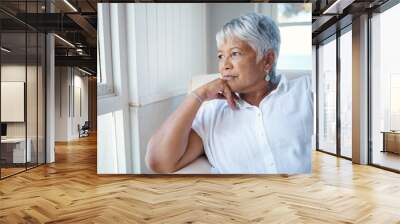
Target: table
15	148
391	141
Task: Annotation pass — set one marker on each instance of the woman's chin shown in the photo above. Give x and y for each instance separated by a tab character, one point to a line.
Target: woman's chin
234	86
232	81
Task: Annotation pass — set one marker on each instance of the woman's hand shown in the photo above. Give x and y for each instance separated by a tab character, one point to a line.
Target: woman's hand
217	89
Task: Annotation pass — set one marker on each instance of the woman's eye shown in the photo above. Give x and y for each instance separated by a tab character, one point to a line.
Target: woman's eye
235	53
219	56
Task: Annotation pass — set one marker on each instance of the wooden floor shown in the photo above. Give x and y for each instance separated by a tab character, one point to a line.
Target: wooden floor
70	191
387	159
10	171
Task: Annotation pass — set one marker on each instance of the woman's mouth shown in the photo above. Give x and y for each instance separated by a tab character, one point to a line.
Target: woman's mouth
229	77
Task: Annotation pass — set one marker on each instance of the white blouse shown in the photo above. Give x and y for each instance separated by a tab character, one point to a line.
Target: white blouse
272	138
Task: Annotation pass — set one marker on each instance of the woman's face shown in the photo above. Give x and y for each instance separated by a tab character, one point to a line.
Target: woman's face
238	65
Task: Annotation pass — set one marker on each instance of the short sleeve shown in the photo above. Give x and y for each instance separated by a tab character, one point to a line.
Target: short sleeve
199	124
203	126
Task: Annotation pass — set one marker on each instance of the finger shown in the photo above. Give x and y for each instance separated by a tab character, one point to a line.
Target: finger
219	89
229	97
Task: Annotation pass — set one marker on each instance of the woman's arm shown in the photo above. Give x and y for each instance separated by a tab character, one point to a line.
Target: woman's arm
175	144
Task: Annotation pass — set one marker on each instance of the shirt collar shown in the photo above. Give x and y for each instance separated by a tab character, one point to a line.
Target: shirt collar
241	104
282	86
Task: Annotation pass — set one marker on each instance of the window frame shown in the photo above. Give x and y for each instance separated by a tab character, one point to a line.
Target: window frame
105	85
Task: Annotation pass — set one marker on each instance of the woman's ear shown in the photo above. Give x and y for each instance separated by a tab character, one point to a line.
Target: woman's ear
269	59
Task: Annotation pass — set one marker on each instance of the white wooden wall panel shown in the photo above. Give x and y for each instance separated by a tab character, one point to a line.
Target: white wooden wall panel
135	15
162	74
170	42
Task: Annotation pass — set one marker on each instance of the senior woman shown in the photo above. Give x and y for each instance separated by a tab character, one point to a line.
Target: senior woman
250	120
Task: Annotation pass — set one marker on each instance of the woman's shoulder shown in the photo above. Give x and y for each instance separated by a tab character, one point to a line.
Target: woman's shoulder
300	82
300	87
214	105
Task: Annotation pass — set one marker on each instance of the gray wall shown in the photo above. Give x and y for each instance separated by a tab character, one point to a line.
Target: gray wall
67	113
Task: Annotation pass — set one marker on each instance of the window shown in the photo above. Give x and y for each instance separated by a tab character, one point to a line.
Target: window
113	111
104	54
294	22
394	101
327	97
22	76
385	88
346	94
294	13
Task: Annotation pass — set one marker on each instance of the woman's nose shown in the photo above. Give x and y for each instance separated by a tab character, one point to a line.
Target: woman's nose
227	64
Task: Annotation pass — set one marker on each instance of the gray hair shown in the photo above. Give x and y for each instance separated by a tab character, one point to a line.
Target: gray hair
259	31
